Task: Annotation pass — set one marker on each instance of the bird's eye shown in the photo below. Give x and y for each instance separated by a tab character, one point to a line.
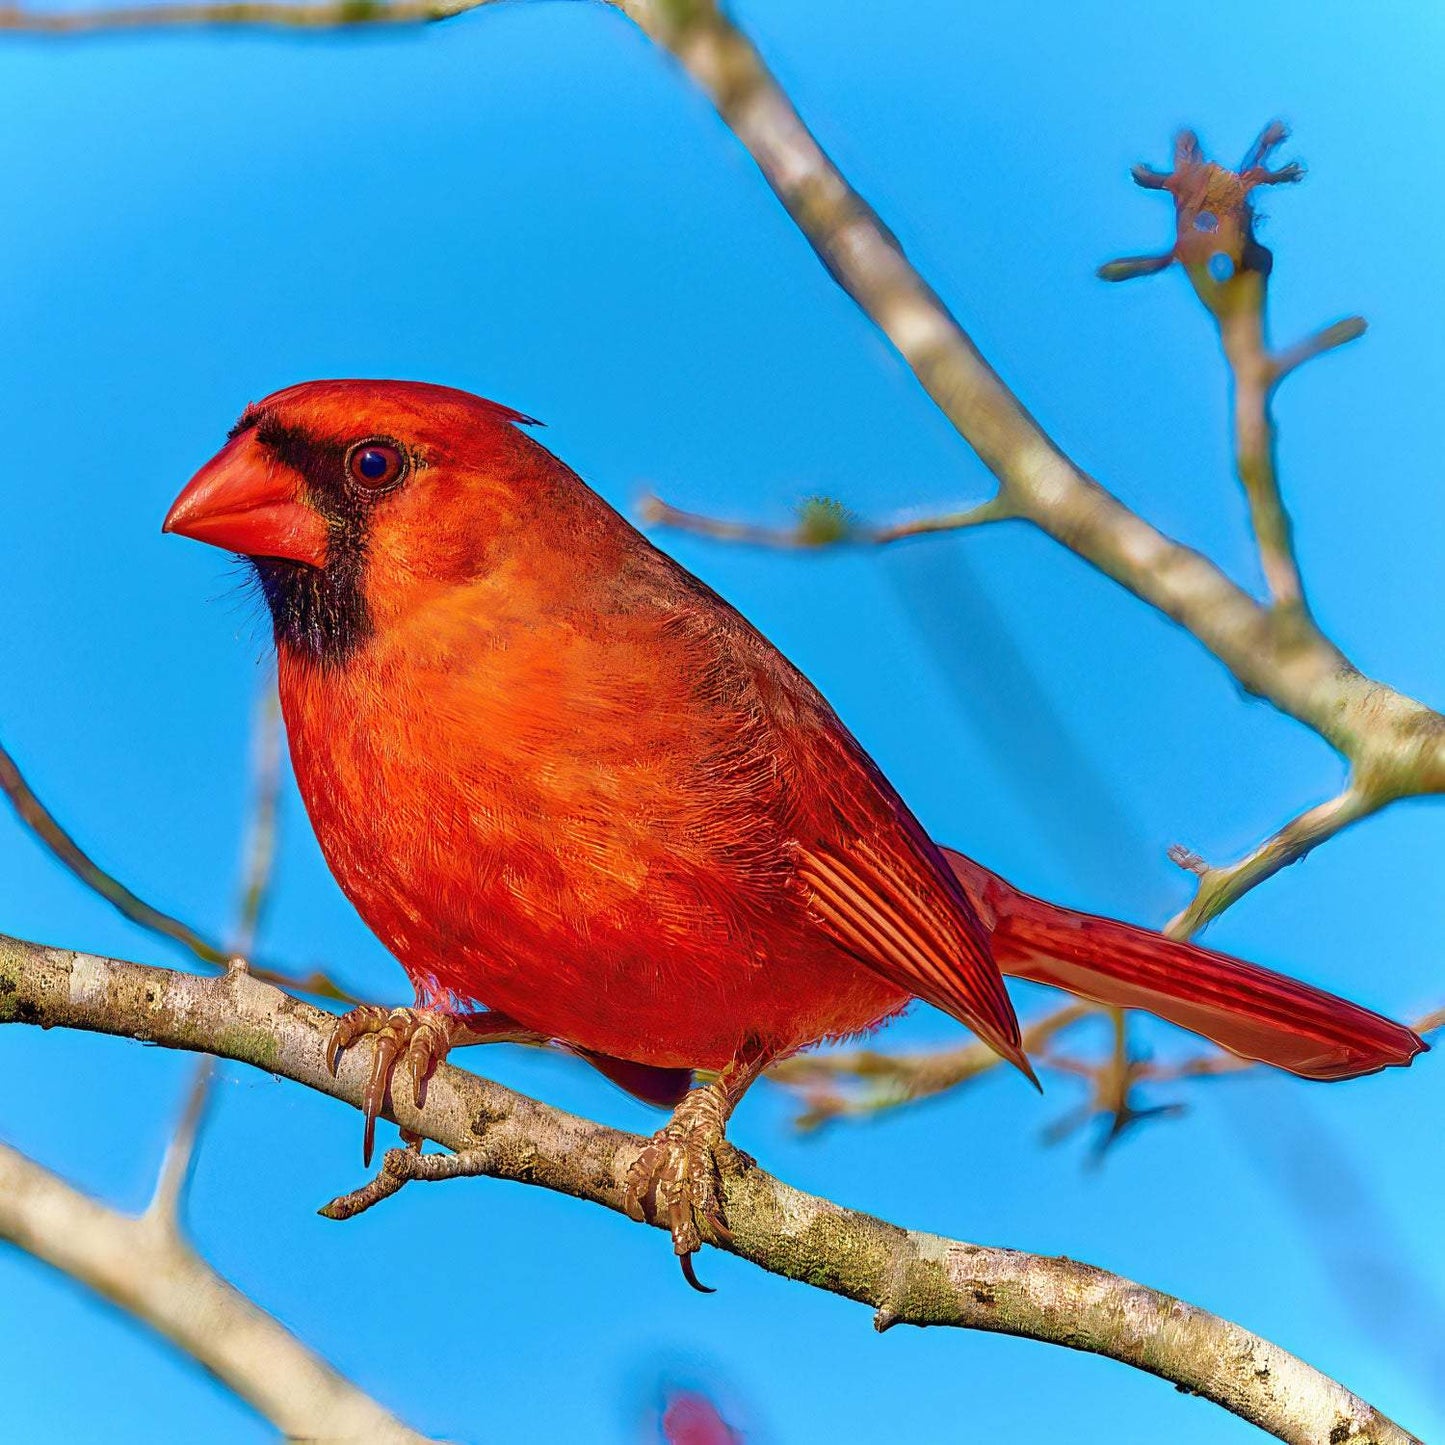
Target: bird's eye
375	465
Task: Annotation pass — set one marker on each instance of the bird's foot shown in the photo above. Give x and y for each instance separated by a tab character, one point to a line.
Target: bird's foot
417	1038
676	1183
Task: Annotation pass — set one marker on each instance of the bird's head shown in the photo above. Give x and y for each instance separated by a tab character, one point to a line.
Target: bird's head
351	498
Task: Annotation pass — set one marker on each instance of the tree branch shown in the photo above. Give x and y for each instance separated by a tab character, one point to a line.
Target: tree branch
144	1266
329	15
1396	744
1220	887
1229	271
908	1277
821	522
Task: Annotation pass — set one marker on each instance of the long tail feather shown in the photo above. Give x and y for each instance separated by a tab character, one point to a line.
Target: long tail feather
1244	1008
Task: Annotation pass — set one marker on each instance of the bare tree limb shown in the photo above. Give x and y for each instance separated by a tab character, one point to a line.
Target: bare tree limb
1397	745
908	1277
143	1265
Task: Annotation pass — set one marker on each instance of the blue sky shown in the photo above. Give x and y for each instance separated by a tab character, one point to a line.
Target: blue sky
529	202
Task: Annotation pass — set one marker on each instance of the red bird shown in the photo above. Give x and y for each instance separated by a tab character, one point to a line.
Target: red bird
559	776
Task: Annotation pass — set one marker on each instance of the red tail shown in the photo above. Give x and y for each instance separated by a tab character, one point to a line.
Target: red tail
1240	1006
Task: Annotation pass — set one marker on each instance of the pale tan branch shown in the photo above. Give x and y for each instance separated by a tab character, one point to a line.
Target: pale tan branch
1338	333
1241	331
143	1266
1432	1021
821	523
334	15
908	1277
1220	887
1306	676
164	1210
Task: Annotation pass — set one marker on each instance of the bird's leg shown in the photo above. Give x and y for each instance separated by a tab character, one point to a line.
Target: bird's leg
675	1181
418	1037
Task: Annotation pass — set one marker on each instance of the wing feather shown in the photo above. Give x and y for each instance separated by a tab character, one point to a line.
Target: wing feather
892	916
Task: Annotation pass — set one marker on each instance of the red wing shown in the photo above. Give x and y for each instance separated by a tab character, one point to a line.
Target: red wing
876	884
928	945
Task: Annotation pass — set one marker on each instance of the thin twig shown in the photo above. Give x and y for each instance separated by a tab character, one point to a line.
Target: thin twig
1241	330
257	875
259	852
43	824
859	1083
1218	888
340	15
1337	334
820	524
907	1277
168	1198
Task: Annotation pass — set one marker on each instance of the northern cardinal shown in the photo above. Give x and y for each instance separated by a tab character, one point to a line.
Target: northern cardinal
559	776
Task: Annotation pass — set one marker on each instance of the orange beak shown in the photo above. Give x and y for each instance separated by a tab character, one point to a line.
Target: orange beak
246	501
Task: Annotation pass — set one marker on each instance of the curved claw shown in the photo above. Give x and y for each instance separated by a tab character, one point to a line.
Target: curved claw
690	1275
363	1019
378	1086
414	1037
423	1053
674	1183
